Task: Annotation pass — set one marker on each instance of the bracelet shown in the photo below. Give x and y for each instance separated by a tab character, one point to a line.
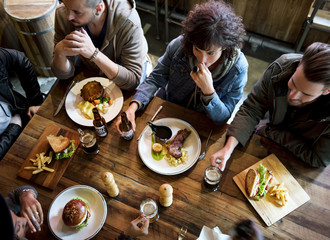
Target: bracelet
94	55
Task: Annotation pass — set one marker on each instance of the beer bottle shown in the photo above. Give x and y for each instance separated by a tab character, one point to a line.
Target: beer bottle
99	124
126	127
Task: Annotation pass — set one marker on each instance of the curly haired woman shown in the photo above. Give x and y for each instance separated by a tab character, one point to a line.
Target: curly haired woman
211	40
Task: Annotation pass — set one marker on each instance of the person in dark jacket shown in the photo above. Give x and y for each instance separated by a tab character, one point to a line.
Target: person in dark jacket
20	212
294	91
15	109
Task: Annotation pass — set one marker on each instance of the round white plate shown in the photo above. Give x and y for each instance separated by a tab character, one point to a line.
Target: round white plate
192	144
96	204
73	98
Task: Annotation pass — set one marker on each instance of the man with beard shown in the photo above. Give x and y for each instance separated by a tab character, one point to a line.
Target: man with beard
294	91
103	36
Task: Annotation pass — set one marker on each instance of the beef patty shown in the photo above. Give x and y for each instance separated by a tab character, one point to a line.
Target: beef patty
91	91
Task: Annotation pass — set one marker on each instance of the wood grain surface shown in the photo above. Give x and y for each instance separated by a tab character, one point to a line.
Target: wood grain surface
48	179
191	206
267	208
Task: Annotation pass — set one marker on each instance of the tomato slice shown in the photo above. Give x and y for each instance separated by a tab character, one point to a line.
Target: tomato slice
157	147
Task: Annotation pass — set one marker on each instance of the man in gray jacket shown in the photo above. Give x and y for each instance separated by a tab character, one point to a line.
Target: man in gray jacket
294	91
102	36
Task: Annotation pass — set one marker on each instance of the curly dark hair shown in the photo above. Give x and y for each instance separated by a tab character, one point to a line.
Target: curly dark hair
316	63
213	24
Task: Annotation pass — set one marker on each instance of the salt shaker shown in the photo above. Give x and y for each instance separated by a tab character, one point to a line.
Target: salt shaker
165	195
110	184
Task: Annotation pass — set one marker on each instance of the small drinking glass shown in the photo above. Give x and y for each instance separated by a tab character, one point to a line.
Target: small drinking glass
150	209
88	141
211	180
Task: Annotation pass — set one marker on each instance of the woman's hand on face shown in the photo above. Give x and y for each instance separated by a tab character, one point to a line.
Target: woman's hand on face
203	79
31	209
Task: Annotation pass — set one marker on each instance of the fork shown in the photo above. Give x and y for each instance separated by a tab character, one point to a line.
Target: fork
205	148
182	232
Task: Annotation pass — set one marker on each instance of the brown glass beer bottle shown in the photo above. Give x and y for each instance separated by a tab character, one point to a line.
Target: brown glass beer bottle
99	124
126	127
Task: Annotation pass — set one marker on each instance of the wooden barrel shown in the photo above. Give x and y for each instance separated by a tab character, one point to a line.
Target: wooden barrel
34	23
8	36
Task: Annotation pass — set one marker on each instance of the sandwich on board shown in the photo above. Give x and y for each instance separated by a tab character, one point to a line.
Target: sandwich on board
257	182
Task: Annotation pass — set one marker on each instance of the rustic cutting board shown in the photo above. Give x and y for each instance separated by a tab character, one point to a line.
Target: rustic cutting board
48	179
267	208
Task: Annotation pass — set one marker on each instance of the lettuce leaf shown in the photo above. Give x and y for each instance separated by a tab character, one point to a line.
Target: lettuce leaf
262	184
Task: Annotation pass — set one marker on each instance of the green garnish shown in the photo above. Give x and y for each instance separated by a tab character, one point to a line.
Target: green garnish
157	156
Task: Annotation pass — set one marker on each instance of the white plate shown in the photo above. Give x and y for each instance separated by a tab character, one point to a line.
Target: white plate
192	144
73	98
96	204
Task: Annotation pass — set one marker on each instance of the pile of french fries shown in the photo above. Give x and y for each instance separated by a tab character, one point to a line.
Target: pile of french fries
280	192
39	164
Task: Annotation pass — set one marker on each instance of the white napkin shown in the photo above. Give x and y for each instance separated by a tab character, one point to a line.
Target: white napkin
212	234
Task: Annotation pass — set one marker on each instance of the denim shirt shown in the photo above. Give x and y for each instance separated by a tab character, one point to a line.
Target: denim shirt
172	73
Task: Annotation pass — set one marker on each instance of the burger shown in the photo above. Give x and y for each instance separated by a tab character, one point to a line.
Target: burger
62	146
257	182
76	213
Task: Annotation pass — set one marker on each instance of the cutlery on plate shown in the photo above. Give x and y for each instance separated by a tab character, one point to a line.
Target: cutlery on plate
64	97
182	232
152	119
205	148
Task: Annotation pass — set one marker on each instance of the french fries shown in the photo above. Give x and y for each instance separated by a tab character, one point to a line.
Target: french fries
280	192
39	164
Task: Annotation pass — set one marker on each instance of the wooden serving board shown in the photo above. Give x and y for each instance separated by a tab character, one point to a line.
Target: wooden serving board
268	209
48	179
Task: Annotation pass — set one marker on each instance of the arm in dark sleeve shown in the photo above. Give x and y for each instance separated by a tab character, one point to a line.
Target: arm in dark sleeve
15	61
8	137
13	198
316	154
253	109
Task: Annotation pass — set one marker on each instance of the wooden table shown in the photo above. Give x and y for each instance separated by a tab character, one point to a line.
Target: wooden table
191	206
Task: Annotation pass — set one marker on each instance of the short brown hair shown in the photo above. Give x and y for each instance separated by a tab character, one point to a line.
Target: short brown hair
213	24
92	3
316	63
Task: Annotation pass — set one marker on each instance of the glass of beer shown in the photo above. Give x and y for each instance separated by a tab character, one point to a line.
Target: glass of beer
88	141
211	179
150	209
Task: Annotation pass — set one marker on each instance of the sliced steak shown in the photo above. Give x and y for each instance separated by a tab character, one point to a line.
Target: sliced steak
174	148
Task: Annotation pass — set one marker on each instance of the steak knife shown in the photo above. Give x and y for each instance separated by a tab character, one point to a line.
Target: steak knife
64	97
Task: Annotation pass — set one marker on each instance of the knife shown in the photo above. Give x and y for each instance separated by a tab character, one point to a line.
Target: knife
63	99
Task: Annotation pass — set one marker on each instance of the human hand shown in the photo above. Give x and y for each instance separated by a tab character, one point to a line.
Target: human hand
138	227
81	43
130	113
32	110
220	158
16	119
31	209
203	79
